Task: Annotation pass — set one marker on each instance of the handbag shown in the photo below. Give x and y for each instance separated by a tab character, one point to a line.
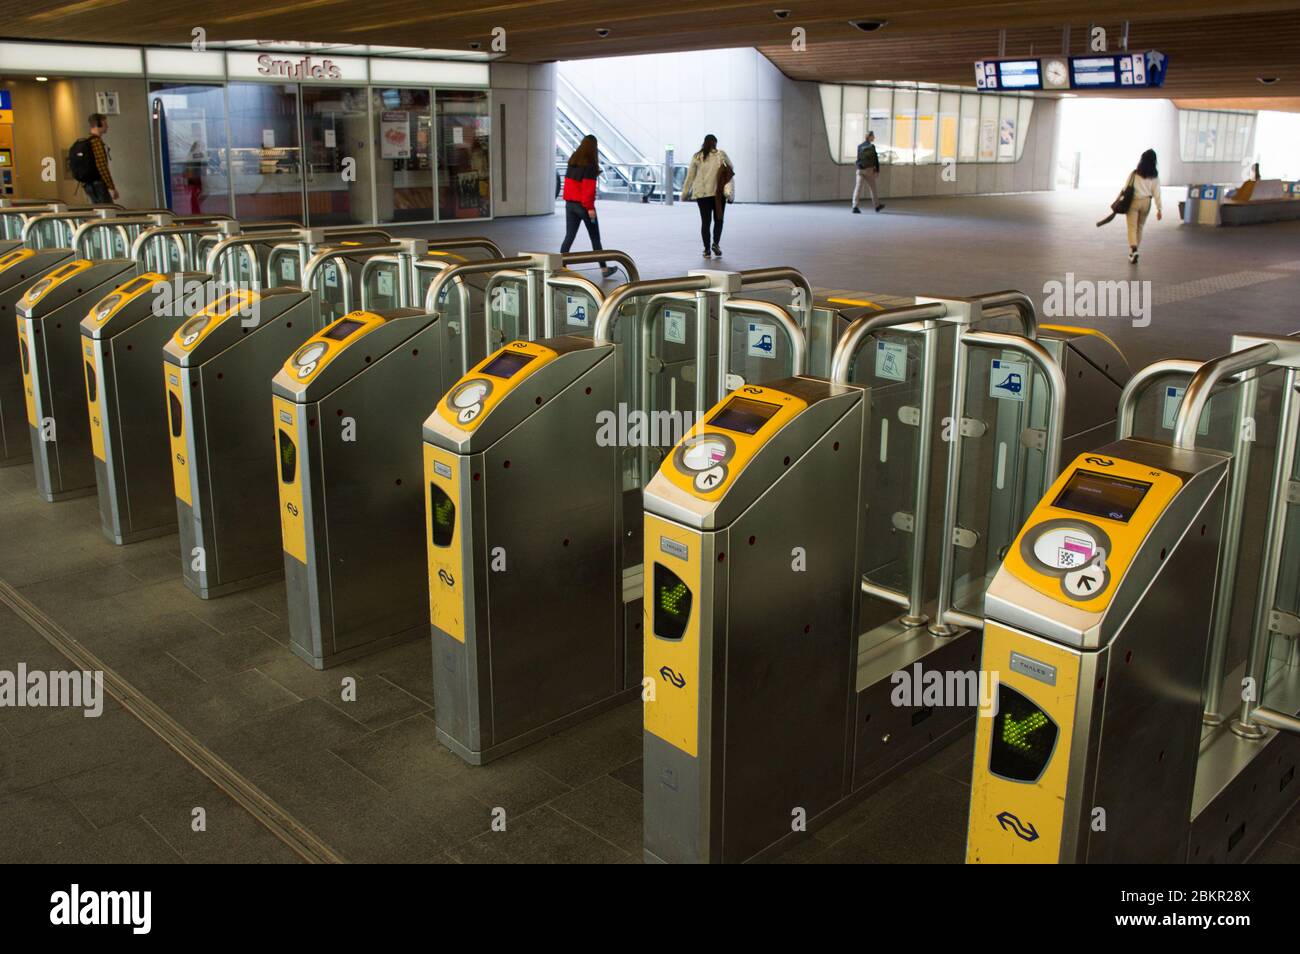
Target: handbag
726	190
1123	202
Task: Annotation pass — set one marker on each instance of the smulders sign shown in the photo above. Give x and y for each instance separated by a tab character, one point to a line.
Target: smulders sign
304	68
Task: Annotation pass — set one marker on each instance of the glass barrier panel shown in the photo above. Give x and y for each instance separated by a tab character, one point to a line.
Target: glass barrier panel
382	287
507	310
1281	688
892	365
574	312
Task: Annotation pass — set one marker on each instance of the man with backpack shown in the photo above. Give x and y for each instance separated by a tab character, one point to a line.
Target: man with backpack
868	172
88	163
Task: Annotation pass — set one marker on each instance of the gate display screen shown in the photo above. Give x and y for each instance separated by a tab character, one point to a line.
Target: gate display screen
743	415
1023	738
342	330
1100	495
506	364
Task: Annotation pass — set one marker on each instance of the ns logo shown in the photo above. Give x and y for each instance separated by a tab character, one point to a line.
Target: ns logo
447	578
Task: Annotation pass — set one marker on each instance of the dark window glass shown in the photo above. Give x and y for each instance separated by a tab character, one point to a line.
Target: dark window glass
92	382
174	411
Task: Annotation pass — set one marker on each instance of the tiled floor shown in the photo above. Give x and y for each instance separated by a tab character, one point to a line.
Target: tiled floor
368	777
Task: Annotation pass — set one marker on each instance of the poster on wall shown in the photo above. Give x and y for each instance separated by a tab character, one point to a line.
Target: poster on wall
394	135
106	102
988	138
1007	139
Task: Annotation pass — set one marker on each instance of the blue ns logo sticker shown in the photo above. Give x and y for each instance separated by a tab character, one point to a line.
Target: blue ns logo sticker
1011	823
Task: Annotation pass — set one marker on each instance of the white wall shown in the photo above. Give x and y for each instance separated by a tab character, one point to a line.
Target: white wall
772	127
523	126
1111	134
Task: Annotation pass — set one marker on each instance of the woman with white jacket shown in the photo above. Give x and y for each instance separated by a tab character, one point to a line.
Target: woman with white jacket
709	185
1146	189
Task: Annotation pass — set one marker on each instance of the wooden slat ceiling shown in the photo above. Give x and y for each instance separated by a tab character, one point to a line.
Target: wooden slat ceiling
1212	53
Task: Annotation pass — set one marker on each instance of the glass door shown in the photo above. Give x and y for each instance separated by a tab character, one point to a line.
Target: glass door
403	127
338	152
196	146
464	164
265	157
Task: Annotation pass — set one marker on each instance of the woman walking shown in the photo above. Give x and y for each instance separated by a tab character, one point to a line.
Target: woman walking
580	197
708	182
1145	180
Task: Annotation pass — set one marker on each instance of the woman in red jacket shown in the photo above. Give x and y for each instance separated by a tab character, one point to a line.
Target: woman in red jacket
580	197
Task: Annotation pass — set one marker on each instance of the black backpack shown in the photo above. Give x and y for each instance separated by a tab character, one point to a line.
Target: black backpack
81	161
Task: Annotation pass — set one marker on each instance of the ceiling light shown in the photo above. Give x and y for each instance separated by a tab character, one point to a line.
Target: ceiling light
1268	80
869	26
42	79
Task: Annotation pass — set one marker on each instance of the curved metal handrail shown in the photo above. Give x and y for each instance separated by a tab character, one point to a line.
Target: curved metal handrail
610	255
1022	303
140	254
65	217
866	326
1138	384
454	272
238	241
783	273
608	315
767	309
1204	382
116	222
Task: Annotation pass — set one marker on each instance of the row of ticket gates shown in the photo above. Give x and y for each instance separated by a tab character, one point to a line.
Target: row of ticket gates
819	538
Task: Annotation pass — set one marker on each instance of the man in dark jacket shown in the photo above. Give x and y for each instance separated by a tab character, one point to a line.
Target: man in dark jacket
868	172
100	188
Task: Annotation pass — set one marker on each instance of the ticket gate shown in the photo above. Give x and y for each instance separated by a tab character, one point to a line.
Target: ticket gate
19	270
534	610
348	405
1110	628
121	338
1117	562
813	511
216	367
50	354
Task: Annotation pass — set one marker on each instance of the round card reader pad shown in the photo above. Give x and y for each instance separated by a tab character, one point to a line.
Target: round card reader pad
704	458
468	397
1074	551
307	356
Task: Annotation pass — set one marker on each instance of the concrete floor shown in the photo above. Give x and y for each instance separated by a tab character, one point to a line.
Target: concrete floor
368	777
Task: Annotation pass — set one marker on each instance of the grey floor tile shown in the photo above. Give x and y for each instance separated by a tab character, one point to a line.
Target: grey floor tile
375	702
608	808
119	790
403	753
542	836
36	818
229	834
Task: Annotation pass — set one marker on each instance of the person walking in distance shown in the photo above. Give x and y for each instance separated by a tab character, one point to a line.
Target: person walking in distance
580	197
709	183
868	173
94	175
1145	180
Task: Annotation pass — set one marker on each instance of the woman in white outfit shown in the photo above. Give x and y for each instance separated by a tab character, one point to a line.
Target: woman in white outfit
702	185
1146	188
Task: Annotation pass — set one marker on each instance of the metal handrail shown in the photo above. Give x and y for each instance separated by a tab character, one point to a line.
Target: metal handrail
140	253
1022	303
238	241
607	317
1138	384
322	257
612	255
866	326
461	287
784	273
453	272
944	618
1204	382
85	228
65	218
489	296
768	309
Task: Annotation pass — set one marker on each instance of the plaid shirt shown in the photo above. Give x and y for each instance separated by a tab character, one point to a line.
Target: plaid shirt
100	152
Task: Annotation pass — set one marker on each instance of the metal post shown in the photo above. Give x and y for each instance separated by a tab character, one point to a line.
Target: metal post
1229	553
530	285
948	556
701	352
1260	639
915	615
668	176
